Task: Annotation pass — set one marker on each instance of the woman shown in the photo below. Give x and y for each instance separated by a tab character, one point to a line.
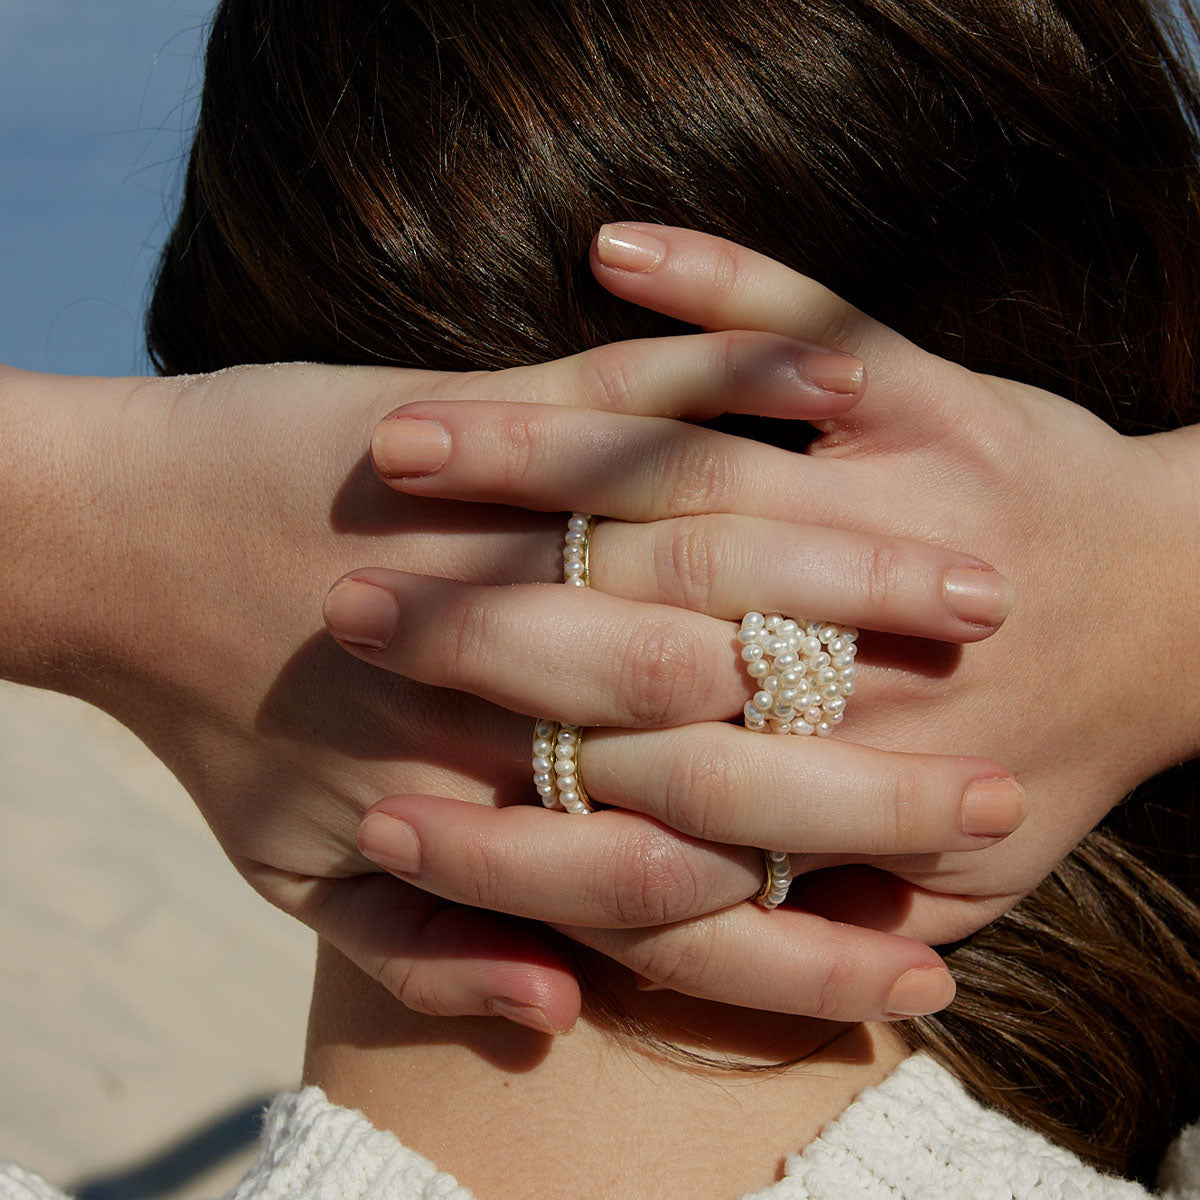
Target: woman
712	152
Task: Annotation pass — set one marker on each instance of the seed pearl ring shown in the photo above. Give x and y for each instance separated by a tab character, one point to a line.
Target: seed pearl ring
555	758
804	674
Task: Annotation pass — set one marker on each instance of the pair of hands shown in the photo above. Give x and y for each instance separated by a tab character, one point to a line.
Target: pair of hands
206	644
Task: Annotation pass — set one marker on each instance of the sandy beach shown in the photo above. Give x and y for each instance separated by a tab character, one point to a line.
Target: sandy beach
149	999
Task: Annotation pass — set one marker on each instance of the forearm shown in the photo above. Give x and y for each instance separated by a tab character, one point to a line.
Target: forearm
58	453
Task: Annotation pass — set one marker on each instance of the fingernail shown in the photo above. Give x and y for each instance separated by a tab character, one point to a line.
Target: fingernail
833	372
993	808
978	595
919	991
391	843
405	446
629	249
361	614
528	1015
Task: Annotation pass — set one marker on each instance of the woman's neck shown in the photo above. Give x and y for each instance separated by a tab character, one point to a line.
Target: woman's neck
514	1115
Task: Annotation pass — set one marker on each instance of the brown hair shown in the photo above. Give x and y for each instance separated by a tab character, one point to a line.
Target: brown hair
1011	183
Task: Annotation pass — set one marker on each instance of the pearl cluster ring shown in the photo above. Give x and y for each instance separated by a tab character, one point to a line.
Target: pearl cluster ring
803	672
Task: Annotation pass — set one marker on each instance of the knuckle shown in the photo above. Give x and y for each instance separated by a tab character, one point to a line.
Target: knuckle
608	382
661	669
654	883
898	823
699	478
690	563
832	980
676	959
520	447
472	635
880	570
697	792
724	272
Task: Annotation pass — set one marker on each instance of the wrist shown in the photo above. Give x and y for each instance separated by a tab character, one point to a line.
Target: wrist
60	459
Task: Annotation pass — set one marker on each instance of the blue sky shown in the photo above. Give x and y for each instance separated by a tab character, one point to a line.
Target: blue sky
96	101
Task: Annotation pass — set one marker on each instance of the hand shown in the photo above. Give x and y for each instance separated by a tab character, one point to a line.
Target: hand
180	598
966	461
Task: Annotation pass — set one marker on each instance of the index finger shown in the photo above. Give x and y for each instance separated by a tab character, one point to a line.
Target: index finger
719	285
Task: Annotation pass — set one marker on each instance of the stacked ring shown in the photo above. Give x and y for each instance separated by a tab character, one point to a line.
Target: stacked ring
556	744
803	673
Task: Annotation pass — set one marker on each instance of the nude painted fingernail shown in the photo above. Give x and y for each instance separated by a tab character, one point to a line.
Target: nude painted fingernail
361	614
403	447
629	249
390	843
978	595
919	991
528	1015
993	808
833	372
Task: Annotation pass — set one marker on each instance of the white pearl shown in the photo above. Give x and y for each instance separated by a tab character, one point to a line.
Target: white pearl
577	522
849	635
838	644
828	633
568	798
749	637
817	661
813	715
813	628
803	728
567	737
823	729
783	727
568	783
541	762
753	620
848	672
752	653
787	628
577	581
846	687
749	711
787	660
836	705
827	675
830	690
811	646
835	718
544	778
564	766
842	661
762	701
775	646
759	669
790	676
772	622
542	746
549	799
770	683
544	729
789	695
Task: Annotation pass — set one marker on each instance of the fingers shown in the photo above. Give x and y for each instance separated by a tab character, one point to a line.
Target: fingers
717	284
726	565
698	376
437	958
617	869
633	468
613	869
722	783
588	658
783	961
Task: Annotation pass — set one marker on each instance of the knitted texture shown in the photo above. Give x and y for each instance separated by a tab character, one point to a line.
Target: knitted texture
312	1150
918	1135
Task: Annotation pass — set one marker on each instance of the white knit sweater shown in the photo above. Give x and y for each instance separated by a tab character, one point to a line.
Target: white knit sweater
915	1136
